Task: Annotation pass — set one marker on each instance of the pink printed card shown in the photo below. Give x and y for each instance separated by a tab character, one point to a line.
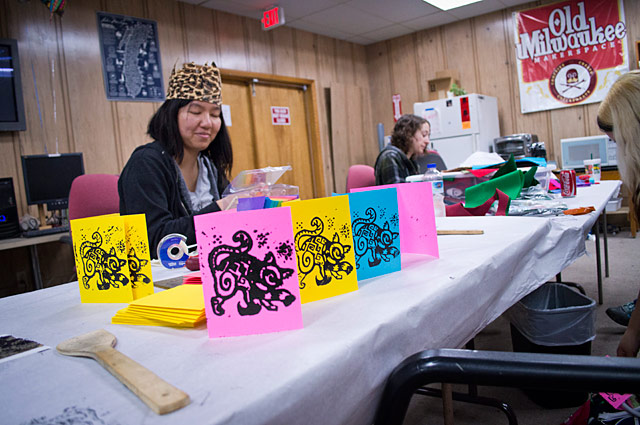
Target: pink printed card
418	233
248	271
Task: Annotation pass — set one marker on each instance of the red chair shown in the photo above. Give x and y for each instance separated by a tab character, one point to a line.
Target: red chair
93	194
360	176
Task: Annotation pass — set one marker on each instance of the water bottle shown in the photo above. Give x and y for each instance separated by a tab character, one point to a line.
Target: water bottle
437	187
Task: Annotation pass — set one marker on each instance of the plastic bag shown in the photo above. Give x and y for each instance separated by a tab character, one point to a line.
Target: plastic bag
259	182
555	315
538	207
596	411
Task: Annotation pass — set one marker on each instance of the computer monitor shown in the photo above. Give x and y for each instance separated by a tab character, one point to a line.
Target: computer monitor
11	103
47	178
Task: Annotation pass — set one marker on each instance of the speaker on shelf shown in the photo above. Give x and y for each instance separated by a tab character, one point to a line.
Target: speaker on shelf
9	223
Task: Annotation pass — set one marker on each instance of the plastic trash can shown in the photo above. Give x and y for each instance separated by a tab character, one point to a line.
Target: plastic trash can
554	319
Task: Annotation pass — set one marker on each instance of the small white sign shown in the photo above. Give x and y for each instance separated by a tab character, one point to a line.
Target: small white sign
432	115
397	107
226	114
280	115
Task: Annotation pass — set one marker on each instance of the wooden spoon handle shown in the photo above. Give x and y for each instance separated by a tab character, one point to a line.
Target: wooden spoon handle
158	394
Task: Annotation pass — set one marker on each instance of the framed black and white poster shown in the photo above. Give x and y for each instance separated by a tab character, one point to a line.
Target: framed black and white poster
130	53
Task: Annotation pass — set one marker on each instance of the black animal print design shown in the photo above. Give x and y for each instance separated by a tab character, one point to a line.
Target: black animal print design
368	236
105	265
234	269
135	269
314	250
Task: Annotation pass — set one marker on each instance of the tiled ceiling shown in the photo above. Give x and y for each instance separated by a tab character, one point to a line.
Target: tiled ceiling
358	21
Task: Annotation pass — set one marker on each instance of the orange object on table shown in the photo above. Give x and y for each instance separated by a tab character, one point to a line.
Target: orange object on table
579	211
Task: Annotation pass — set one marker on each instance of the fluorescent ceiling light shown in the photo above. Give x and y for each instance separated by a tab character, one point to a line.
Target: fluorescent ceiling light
450	4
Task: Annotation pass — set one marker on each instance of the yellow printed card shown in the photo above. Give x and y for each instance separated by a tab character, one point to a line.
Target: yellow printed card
100	252
112	258
138	255
324	247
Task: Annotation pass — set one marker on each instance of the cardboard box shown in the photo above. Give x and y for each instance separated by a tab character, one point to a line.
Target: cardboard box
439	86
448	73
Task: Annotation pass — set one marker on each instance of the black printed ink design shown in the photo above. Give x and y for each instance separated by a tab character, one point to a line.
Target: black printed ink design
71	415
368	236
105	265
314	250
234	269
135	269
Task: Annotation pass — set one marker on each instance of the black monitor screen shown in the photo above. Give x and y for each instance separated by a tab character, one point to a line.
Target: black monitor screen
11	104
47	178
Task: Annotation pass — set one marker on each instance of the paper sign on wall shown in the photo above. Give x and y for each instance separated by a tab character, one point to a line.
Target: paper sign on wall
106	261
248	270
375	226
569	53
280	115
396	100
324	247
417	219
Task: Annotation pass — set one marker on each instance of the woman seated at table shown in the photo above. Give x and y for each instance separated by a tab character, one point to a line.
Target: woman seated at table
183	172
409	139
619	118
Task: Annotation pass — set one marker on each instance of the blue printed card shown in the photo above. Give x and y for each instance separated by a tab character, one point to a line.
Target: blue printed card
375	228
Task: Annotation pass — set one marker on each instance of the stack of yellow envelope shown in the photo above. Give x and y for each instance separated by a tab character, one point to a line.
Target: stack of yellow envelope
182	307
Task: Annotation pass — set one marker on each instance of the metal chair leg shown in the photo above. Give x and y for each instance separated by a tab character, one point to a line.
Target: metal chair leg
467	398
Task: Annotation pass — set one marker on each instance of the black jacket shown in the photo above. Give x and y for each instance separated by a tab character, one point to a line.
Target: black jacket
150	185
393	166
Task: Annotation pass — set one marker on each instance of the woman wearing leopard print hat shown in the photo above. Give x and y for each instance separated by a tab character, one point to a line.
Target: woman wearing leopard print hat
184	171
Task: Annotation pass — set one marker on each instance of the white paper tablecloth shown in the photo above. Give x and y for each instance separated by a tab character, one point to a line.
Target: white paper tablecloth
330	372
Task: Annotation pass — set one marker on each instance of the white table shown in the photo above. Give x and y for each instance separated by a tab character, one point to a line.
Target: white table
330	372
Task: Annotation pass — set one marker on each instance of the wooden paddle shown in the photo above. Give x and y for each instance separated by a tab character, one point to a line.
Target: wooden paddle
159	395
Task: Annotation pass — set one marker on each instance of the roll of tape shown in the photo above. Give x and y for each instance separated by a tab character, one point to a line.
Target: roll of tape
172	251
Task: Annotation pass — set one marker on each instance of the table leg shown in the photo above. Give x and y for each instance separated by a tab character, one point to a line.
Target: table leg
35	266
598	261
606	245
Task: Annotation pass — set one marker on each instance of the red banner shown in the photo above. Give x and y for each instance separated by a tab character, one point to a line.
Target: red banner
563	49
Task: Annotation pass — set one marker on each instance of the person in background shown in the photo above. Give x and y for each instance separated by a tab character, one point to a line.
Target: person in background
184	171
619	118
409	139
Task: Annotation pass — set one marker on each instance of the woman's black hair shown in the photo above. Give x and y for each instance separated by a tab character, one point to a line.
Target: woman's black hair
405	129
163	127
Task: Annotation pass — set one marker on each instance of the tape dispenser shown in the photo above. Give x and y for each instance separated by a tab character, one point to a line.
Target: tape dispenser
173	251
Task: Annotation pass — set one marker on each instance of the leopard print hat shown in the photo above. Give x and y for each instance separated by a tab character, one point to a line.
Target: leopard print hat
196	82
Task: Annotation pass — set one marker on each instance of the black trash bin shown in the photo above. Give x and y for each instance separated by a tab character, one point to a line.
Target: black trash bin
554	319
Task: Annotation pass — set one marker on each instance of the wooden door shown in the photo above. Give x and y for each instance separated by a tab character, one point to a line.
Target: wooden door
258	142
284	144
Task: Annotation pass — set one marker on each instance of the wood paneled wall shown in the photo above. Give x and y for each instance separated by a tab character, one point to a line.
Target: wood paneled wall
482	50
107	132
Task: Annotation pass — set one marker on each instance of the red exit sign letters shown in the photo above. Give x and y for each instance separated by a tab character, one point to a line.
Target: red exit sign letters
272	18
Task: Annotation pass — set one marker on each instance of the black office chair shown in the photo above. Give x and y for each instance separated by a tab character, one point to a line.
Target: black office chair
431	157
503	369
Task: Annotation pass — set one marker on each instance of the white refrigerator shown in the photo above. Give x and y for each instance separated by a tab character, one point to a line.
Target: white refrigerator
461	125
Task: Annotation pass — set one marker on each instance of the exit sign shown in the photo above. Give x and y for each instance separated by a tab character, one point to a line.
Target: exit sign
272	18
